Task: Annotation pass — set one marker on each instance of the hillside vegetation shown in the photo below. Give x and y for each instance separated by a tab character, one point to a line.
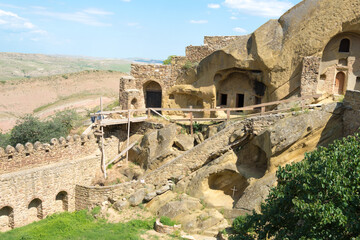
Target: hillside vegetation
318	198
20	65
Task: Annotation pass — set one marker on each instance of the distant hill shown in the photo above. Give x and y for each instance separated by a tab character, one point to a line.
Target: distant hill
20	65
144	60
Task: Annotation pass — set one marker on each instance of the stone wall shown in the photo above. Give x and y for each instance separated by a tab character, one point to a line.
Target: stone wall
219	42
309	75
197	53
38	154
32	194
351	116
89	196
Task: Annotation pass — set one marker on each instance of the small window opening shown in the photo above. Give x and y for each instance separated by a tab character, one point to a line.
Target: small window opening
344	45
171	96
323	77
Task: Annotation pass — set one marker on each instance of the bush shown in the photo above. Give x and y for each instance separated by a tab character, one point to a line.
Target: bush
317	198
168	60
31	129
4	139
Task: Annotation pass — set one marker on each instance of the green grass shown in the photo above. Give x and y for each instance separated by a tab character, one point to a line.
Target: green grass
167	221
78	225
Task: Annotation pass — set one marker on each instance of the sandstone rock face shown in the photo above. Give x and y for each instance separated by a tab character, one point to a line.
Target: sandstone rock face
184	142
275	51
155	148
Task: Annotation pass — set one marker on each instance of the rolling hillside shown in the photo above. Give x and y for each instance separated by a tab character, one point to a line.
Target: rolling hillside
20	65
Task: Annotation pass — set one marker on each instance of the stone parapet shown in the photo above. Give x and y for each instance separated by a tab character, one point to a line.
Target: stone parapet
219	42
39	154
197	53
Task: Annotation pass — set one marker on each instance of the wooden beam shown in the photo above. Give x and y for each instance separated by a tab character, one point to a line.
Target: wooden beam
126	150
103	152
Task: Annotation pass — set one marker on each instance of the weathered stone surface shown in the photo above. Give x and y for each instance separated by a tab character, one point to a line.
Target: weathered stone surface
137	197
121	205
184	142
149	196
183	206
163	189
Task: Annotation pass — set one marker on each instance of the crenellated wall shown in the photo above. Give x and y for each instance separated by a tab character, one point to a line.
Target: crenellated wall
39	179
38	154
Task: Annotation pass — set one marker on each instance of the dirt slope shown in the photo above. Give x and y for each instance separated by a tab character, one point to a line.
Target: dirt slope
48	94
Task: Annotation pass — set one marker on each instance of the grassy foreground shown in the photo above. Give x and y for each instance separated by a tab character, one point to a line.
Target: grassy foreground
79	225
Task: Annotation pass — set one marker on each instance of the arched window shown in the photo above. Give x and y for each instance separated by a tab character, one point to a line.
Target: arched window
344	45
62	203
35	209
6	218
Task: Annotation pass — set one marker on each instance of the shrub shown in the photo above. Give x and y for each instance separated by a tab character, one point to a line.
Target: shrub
167	221
168	60
31	129
4	139
317	198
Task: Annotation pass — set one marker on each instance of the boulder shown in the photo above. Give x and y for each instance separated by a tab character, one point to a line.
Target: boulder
184	142
163	189
149	196
120	205
137	197
161	228
237	135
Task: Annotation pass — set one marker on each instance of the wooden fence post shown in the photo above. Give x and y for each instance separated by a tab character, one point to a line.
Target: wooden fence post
191	123
149	112
262	110
128	138
228	114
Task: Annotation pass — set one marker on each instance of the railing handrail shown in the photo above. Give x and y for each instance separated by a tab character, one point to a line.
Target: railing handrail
252	107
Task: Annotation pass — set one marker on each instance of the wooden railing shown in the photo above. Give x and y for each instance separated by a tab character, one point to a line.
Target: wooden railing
143	114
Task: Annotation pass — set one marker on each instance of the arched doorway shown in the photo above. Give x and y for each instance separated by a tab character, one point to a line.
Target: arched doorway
152	94
6	218
339	83
62	201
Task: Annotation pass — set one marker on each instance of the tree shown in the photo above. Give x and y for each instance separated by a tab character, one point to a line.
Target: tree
318	198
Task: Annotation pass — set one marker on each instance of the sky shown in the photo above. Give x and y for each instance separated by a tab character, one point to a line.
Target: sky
152	29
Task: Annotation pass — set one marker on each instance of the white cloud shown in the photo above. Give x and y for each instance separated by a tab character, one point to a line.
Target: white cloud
198	21
233	18
87	16
213	5
126	0
239	30
264	8
12	22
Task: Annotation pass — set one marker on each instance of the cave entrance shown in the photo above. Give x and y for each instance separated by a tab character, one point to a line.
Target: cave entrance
224	188
153	94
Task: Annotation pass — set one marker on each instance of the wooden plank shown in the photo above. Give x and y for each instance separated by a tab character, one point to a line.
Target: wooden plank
122	153
154	111
88	130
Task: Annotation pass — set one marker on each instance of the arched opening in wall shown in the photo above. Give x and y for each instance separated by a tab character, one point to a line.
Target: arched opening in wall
344	45
6	219
339	83
62	202
152	94
134	103
224	188
35	210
